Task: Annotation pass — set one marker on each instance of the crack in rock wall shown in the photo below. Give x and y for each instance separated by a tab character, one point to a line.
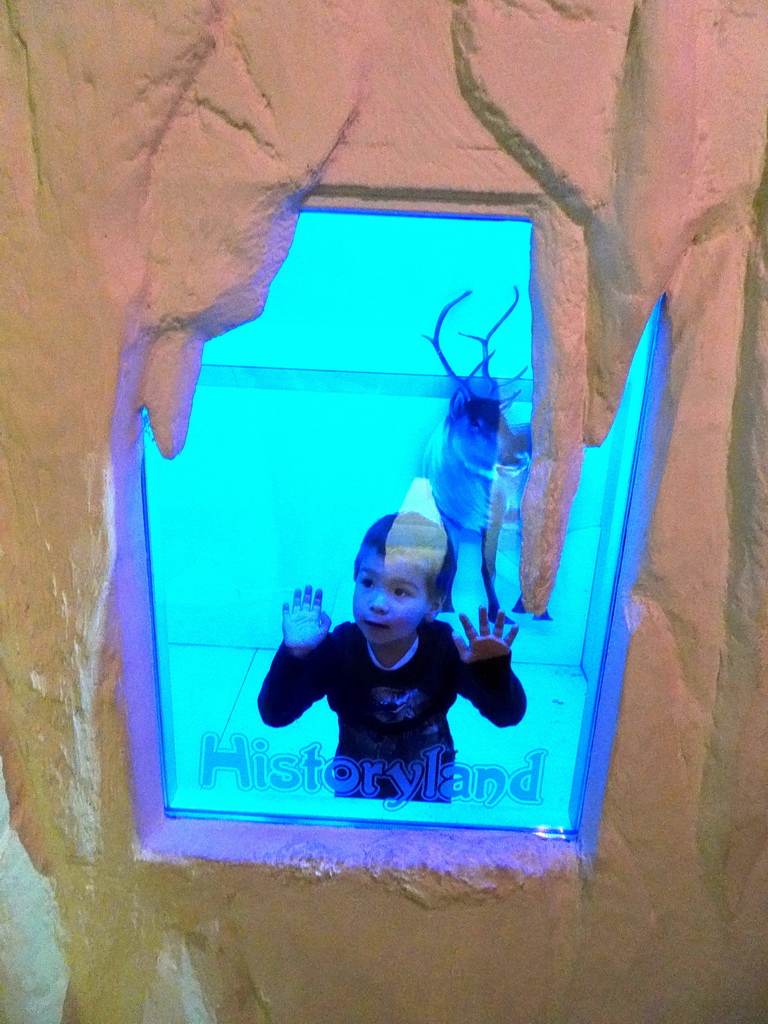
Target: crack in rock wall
153	164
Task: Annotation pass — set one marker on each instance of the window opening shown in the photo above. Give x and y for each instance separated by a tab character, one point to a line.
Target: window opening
310	424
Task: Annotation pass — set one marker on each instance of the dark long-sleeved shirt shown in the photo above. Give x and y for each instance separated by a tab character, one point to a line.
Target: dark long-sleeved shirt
394	714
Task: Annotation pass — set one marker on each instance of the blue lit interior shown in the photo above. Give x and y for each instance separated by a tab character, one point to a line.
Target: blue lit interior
309	424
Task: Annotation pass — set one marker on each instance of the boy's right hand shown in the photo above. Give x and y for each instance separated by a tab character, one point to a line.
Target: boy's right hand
305	625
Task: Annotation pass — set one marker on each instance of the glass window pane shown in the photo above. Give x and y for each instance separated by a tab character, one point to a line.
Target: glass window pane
309	425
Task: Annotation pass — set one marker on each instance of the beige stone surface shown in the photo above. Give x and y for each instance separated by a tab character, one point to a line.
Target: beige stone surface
154	156
33	972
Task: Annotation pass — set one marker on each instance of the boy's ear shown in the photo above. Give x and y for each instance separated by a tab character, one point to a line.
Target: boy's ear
435	607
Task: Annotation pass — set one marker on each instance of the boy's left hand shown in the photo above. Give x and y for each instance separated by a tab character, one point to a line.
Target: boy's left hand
485	644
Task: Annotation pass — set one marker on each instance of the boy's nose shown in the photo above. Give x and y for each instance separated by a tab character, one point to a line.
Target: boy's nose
379	601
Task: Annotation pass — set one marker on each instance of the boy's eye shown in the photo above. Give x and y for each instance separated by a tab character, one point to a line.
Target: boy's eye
402	592
366	582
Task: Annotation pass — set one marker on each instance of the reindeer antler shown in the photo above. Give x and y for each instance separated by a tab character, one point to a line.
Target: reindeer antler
462	384
487	339
505	403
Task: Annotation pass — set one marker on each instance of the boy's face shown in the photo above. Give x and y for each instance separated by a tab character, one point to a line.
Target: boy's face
391	599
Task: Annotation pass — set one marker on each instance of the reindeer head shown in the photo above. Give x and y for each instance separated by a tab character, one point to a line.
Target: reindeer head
477	428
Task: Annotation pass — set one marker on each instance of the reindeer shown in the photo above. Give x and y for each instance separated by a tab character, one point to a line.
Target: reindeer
476	462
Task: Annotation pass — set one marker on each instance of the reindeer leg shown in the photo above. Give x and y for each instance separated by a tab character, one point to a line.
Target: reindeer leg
489	538
489	545
453	536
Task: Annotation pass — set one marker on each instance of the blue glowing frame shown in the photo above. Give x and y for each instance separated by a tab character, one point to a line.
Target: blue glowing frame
252	839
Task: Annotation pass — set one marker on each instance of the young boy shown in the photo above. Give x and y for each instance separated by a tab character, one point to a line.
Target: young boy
392	675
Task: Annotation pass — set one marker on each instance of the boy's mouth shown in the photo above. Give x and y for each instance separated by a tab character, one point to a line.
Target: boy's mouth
376	625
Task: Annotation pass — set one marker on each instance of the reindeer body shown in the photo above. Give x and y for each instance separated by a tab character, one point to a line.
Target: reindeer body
460	462
477	465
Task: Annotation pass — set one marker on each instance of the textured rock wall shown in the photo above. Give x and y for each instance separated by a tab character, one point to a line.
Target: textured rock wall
153	158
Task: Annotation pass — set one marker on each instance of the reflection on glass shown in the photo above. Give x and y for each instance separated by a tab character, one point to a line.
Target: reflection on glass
311	424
